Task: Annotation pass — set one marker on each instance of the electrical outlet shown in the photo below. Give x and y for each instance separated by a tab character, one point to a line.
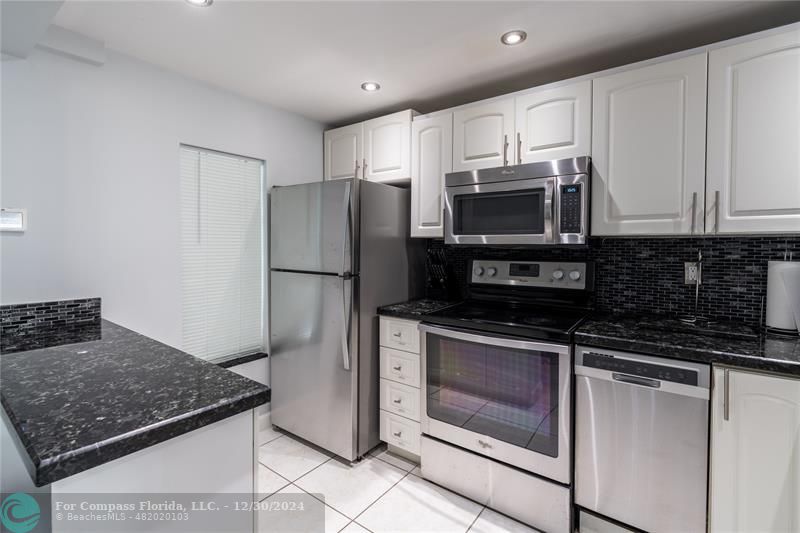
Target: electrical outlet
691	273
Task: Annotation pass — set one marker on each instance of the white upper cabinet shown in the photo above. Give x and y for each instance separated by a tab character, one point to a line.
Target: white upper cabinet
343	152
483	136
387	149
648	149
554	123
754	136
755	453
375	150
431	159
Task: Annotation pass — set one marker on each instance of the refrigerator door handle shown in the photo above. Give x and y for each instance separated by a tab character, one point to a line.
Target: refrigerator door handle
345	328
345	225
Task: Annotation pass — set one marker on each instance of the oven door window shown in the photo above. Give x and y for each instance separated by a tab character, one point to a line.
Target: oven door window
505	393
499	213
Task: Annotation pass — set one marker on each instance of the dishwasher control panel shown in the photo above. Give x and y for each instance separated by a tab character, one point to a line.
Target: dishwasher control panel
613	363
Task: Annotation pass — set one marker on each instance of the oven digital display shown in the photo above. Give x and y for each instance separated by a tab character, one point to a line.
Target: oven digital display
524	270
571	189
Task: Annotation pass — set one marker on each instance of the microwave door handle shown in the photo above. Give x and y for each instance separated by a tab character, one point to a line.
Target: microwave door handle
549	209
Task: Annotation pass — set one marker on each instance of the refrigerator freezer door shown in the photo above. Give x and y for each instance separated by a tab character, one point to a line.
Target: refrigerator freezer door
311	227
314	396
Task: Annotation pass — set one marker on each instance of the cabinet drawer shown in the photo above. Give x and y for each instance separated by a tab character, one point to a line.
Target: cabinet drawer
400	432
400	334
400	399
402	367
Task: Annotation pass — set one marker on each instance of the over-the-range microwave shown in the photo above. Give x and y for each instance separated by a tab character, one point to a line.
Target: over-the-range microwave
544	203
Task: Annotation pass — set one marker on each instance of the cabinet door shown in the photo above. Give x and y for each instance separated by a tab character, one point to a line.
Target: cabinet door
648	149
483	136
554	123
387	153
755	453
431	159
754	136
343	152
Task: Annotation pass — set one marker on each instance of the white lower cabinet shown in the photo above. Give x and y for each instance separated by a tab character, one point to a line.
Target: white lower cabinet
400	399
755	453
400	395
399	334
400	432
399	366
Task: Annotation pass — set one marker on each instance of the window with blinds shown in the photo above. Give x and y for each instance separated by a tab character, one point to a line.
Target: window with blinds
222	253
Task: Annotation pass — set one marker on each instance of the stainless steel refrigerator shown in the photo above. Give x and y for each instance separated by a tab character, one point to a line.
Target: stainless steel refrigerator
338	250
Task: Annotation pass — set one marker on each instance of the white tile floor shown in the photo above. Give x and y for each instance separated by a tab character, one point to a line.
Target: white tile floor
381	493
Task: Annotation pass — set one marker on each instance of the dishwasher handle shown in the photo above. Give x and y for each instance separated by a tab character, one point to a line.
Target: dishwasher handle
654	385
636	380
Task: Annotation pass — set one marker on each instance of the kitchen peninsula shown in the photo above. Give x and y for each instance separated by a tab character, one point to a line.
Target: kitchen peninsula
107	410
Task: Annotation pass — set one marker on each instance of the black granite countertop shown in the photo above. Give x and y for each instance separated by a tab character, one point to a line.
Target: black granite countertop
109	393
414	309
717	342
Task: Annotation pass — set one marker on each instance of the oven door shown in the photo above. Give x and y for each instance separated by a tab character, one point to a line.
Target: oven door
509	212
504	398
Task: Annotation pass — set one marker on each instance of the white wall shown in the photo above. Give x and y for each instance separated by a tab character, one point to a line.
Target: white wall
92	153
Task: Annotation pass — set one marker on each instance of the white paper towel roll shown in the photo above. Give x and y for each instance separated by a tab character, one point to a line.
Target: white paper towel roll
783	295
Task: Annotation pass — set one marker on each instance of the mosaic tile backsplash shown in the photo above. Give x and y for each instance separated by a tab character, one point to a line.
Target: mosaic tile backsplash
646	274
17	317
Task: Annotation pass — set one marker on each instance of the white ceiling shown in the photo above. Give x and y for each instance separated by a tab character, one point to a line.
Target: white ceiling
311	57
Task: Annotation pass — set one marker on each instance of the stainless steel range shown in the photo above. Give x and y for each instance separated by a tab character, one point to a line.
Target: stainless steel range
497	409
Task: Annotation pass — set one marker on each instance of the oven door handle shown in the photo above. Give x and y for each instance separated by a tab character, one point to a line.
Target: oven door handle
471	336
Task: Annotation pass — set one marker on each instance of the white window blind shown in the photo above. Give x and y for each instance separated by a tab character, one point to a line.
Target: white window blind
222	248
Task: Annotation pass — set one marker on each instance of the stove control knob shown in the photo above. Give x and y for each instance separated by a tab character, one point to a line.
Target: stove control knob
478	271
558	274
492	272
575	275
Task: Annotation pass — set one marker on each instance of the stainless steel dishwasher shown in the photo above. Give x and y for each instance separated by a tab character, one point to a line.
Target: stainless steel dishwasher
641	439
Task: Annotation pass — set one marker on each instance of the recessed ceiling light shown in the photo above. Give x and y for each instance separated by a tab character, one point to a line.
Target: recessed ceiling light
513	37
371	86
200	3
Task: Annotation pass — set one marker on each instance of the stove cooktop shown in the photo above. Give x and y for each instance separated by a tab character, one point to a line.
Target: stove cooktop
539	322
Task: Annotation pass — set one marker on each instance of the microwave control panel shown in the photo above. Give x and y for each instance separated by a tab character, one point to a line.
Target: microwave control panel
570	208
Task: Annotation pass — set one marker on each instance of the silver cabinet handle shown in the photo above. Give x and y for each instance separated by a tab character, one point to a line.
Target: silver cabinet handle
355	172
397	434
505	150
484	444
519	148
694	210
726	400
716	211
398	400
398	368
364	168
397	334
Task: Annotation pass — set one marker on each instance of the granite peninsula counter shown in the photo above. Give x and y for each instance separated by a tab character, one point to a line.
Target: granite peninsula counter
110	392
